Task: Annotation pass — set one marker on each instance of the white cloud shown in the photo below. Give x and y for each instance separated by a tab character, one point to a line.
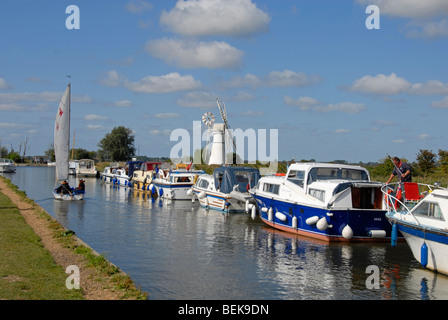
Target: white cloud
95	117
195	54
123	103
427	29
285	78
95	127
216	17
381	84
4	84
424	16
440	104
138	6
11	125
250	113
347	107
430	87
311	104
112	79
423	136
392	84
305	103
42	96
410	8
171	82
198	99
167	115
338	131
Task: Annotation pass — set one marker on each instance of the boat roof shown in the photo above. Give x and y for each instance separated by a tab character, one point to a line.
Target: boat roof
309	165
233	169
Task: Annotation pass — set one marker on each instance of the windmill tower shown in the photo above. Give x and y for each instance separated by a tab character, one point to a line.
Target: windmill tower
222	139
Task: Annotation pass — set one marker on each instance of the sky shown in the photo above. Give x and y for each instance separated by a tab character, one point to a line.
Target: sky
337	81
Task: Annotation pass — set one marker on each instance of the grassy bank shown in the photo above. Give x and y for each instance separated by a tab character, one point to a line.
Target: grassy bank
28	270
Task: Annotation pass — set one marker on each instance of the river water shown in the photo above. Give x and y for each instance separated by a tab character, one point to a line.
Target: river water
180	251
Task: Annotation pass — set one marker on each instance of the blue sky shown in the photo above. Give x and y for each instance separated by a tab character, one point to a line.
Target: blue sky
311	69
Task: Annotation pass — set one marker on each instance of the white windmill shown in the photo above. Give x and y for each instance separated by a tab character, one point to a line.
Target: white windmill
222	139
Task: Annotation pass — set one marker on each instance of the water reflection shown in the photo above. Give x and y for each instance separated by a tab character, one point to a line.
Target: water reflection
178	250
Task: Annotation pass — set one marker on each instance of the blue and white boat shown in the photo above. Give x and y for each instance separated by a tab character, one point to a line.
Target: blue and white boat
420	214
226	189
331	202
174	184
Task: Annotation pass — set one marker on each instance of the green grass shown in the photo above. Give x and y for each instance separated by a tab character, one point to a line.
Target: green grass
27	270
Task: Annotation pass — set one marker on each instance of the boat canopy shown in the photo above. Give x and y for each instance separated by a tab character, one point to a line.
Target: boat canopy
133	165
226	178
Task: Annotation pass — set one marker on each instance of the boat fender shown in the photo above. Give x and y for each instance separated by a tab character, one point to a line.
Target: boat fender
202	195
322	224
377	233
160	192
264	209
294	222
312	220
424	255
247	206
347	232
190	192
394	235
281	216
271	214
153	190
253	211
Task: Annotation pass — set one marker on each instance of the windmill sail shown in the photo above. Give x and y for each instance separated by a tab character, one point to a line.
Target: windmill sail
62	136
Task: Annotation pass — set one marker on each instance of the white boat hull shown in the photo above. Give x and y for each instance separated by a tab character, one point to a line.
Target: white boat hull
219	201
435	255
68	197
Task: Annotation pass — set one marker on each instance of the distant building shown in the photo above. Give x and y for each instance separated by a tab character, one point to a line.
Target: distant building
41	159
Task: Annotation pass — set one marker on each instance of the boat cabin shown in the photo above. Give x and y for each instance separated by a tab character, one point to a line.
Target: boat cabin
330	184
228	179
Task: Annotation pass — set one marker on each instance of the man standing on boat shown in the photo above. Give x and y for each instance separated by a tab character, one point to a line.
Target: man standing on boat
402	170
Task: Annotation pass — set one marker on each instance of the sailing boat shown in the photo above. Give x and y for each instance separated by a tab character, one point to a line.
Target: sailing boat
61	150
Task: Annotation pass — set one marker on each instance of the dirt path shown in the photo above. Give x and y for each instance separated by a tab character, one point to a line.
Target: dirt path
93	288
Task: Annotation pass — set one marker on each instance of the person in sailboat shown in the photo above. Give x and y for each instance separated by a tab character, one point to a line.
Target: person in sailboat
64	188
81	186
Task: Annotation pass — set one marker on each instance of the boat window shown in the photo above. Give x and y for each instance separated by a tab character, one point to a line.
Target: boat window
270	187
336	173
429	209
183	179
202	183
296	176
318	194
242	179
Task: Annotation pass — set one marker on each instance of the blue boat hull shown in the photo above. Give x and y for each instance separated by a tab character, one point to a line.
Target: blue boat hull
364	225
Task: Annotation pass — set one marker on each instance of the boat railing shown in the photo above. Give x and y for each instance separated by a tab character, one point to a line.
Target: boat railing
403	197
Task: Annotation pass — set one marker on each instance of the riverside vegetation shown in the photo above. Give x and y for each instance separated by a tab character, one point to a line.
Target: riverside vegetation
35	250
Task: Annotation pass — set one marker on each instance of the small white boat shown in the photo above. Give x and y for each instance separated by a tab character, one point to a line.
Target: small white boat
420	213
72	166
7	166
61	147
174	184
331	202
121	177
86	168
108	174
226	189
